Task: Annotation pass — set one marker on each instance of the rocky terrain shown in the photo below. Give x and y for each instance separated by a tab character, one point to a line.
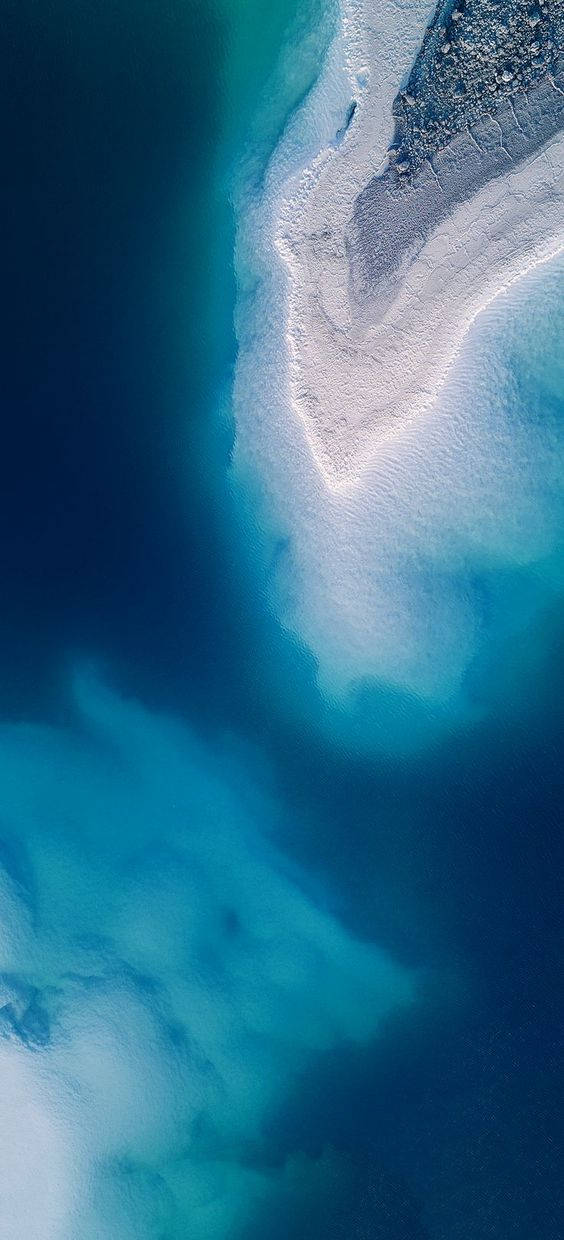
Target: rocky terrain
476	57
486	91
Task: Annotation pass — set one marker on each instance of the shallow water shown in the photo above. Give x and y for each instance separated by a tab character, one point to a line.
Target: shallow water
281	924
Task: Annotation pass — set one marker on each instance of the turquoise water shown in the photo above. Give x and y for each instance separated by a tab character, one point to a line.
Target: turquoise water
280	926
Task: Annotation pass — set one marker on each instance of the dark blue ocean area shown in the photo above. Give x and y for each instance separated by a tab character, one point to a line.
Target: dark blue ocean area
257	979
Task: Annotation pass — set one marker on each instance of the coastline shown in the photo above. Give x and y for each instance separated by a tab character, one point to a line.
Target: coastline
361	368
375	567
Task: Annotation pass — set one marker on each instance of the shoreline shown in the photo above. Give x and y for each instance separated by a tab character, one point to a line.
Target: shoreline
361	368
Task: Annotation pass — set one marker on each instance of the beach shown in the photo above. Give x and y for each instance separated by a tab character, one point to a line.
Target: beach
388	271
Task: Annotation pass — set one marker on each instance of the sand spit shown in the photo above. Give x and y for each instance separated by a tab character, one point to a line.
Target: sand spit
398	237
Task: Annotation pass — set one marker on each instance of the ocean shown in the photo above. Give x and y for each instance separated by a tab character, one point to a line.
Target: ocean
280	885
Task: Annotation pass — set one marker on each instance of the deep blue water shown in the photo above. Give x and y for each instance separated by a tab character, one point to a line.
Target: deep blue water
125	544
110	362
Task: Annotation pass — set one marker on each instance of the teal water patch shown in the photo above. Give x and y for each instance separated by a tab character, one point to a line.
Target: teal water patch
165	977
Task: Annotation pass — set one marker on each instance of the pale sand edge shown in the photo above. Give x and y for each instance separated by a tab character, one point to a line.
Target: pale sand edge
355	386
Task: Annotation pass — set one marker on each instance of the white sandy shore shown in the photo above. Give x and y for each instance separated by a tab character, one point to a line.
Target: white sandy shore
357	377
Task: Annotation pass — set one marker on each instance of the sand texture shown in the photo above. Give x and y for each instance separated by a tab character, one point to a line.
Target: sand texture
436	197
